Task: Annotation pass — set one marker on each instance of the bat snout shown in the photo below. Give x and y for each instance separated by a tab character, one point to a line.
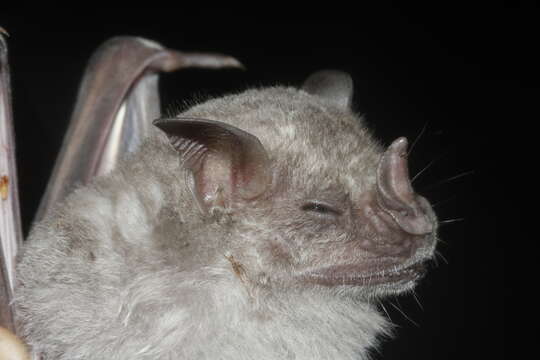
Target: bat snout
398	220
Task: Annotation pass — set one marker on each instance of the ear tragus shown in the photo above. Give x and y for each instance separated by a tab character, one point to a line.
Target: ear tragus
333	85
227	163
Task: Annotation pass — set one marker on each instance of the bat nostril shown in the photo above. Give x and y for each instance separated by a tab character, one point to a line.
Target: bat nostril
392	233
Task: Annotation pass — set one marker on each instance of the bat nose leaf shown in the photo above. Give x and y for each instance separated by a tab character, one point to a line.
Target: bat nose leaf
395	193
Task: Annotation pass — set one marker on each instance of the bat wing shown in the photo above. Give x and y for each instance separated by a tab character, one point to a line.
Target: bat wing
10	225
117	101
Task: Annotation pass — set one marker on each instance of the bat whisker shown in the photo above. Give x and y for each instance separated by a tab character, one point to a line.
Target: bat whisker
449	179
405	315
428	166
450	221
442	241
415	297
436	261
438	254
424	169
385	311
418	138
442	202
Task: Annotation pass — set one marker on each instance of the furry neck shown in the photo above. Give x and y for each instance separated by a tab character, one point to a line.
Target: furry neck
225	321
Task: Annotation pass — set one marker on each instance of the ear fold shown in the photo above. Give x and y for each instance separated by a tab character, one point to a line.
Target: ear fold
333	85
228	164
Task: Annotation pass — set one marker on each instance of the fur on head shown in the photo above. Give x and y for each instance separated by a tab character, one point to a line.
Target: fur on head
264	225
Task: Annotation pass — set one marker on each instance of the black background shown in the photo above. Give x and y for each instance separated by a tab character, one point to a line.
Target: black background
444	68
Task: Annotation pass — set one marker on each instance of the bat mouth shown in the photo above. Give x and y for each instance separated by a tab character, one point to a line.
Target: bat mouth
356	276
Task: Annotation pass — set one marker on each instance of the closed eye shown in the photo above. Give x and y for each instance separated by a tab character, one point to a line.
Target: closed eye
320	208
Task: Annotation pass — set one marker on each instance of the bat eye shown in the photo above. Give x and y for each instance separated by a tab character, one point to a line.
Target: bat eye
320	208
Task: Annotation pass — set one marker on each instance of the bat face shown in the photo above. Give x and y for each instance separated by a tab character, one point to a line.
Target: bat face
332	207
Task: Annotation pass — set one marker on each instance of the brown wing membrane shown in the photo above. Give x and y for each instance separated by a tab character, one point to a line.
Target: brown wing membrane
10	225
116	104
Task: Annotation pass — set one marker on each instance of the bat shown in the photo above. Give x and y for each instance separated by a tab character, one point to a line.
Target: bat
266	224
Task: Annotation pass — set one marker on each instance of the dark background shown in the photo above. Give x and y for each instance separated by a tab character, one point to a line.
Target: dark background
442	68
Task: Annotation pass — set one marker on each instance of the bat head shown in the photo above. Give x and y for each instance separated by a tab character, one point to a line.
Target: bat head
310	198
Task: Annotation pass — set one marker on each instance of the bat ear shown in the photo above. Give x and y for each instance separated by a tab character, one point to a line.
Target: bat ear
333	85
228	164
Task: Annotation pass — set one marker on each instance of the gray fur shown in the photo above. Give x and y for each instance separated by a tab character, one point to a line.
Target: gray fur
130	267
